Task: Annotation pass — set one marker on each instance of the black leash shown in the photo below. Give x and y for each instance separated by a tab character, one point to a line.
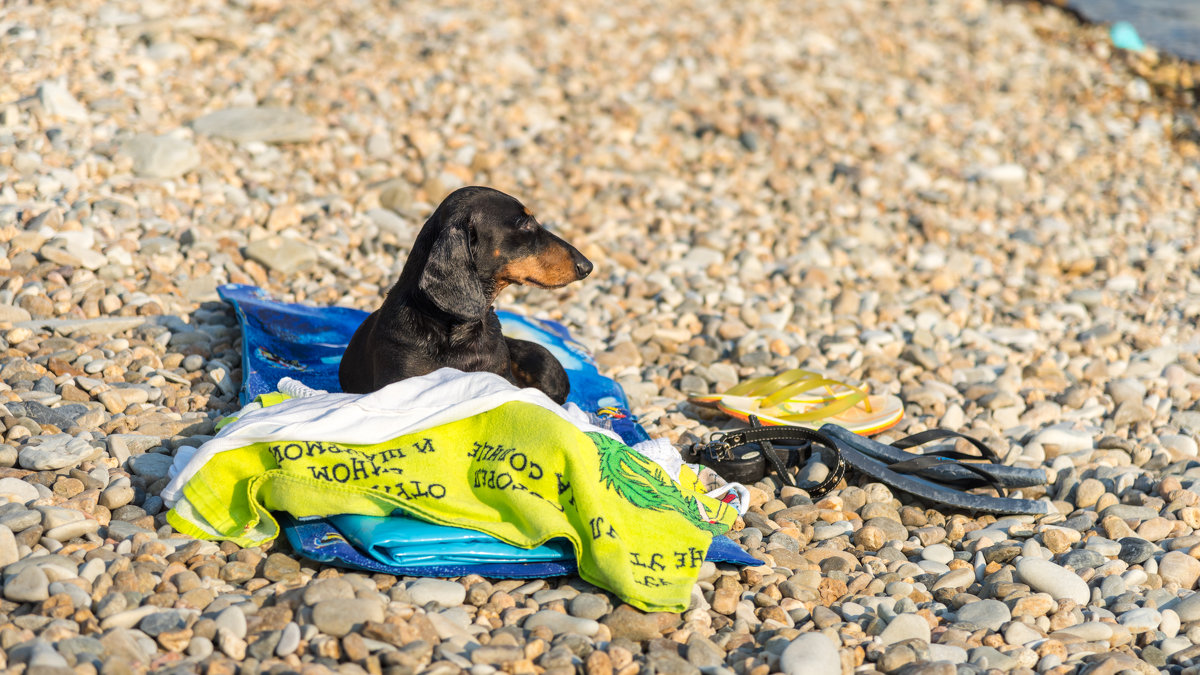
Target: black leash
722	446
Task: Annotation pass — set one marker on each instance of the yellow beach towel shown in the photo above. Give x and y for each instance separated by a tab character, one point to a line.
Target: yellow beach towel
517	472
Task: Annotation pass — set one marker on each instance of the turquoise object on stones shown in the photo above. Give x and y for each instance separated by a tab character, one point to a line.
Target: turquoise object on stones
1125	36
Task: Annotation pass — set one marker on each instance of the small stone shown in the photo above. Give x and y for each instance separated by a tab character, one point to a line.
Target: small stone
163	622
438	591
959	578
870	538
1136	551
233	620
1132	412
30	585
8	547
289	640
116	496
1059	583
900	654
119	399
280	566
497	654
21	519
989	614
905	627
231	645
588	606
813	654
166	156
58	101
264	647
1080	559
1006	174
284	255
1188	609
1184	445
990	657
560	623
1088	492
68	531
59	451
339	616
702	653
631	624
327	589
153	466
199	647
938	553
1141	619
1179	568
267	125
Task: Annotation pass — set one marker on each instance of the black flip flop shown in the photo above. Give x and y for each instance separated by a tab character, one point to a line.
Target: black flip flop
937	477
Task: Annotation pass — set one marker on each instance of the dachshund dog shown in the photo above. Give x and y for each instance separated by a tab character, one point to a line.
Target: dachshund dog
439	314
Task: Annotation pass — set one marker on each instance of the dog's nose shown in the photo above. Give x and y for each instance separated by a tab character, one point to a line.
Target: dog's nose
583	266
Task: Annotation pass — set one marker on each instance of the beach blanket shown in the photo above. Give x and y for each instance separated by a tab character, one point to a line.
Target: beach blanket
523	471
306	343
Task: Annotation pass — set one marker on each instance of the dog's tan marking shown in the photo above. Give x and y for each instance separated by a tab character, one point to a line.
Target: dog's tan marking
553	268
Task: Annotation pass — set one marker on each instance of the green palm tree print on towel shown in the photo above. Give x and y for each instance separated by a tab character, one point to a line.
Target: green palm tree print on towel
644	484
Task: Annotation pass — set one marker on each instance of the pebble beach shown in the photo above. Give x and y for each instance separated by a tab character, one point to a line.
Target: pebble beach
980	207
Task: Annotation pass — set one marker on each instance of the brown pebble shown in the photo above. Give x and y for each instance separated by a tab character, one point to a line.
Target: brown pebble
354	648
598	663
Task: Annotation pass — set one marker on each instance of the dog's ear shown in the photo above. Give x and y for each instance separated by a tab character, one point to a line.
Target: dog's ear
449	278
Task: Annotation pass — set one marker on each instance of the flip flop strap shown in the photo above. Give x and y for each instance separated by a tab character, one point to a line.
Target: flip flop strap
821	412
767	384
924	437
937	493
808	384
920	465
754	386
1010	476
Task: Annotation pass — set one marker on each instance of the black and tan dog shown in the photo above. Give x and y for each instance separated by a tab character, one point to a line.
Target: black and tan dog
439	314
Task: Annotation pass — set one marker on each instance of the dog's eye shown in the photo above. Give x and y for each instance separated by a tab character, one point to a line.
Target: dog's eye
527	226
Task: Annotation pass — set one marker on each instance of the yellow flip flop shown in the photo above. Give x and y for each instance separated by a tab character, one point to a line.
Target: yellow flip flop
800	385
807	399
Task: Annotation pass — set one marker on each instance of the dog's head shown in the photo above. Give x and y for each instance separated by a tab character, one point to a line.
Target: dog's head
480	240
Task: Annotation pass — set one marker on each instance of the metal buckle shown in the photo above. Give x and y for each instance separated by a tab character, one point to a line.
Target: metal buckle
720	445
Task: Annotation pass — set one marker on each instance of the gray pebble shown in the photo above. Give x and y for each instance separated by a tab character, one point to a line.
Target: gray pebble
30	585
990	614
58	451
164	622
267	125
560	623
588	606
438	591
339	616
289	640
233	620
905	627
811	654
1045	576
166	156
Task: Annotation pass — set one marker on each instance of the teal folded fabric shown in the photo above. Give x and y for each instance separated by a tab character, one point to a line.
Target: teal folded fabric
408	542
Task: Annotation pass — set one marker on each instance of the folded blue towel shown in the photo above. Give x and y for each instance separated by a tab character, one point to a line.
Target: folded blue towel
403	541
318	540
